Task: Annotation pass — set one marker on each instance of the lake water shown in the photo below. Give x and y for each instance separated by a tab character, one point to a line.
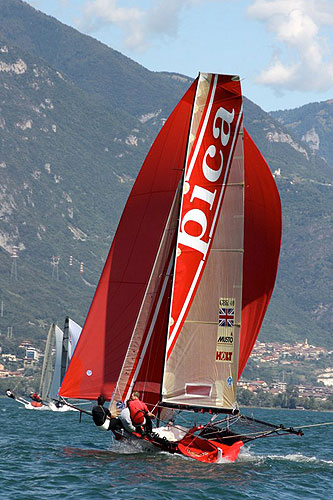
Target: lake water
48	455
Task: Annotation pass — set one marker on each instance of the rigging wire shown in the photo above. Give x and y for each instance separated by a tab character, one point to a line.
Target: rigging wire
315	425
275	431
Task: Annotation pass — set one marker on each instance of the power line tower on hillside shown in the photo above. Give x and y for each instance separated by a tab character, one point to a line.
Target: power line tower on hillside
14	256
55	267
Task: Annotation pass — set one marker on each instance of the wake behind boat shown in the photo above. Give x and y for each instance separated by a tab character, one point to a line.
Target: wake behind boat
187	281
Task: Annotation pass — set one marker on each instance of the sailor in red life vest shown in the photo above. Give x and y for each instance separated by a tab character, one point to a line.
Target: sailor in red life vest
140	414
35	397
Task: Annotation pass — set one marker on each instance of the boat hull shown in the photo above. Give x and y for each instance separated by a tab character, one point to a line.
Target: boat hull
208	451
195	447
34	405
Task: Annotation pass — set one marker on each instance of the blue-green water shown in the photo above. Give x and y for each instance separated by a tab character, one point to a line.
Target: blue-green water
47	455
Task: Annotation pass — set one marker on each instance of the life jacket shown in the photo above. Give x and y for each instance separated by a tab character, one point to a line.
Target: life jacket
137	411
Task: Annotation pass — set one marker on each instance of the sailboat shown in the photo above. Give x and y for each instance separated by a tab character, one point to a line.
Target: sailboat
50	377
187	281
60	345
71	335
65	343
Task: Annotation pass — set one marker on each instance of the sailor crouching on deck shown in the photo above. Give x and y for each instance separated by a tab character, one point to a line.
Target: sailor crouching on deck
140	415
103	419
125	419
36	397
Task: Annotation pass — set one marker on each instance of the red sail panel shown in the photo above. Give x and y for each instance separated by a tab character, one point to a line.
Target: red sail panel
142	367
262	241
100	352
149	375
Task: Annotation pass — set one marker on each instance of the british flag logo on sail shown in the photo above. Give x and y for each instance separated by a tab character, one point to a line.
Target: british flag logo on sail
226	317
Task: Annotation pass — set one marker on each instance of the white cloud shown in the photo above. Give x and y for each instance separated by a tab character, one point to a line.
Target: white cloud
306	63
99	13
139	24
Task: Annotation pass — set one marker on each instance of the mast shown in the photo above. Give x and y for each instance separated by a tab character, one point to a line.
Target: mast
148	326
65	348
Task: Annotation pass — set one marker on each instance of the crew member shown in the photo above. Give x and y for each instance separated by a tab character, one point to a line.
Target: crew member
10	394
125	419
103	419
140	415
36	397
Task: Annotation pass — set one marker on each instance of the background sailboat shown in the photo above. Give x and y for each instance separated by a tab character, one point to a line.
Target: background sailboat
50	378
188	278
71	335
59	348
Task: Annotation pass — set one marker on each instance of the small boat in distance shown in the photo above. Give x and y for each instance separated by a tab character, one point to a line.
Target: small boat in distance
187	281
59	348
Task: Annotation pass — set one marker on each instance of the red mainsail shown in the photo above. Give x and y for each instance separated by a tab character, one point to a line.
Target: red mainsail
100	353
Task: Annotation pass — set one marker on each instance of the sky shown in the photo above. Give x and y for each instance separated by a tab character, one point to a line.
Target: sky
282	49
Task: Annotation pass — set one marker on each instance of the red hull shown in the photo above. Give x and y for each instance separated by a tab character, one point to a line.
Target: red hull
197	448
36	404
208	451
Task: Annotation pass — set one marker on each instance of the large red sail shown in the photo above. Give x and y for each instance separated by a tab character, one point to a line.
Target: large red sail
262	240
99	356
216	123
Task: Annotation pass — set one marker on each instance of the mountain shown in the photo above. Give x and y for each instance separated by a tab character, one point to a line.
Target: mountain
76	121
91	65
311	124
301	305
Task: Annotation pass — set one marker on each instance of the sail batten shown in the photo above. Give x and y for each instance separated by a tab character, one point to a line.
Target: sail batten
202	408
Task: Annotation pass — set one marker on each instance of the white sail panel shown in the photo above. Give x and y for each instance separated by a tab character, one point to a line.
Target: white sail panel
47	368
53	394
74	332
